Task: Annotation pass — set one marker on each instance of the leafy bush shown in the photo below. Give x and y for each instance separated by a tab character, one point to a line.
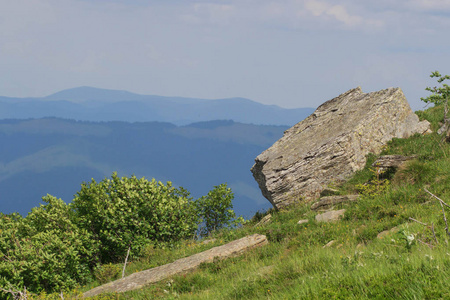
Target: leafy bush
45	250
376	186
106	273
215	209
57	246
131	212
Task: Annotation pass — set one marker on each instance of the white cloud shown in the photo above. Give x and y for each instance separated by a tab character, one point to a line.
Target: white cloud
431	5
272	10
289	14
340	13
316	8
210	13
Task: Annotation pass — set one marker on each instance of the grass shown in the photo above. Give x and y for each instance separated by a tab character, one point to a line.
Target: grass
408	263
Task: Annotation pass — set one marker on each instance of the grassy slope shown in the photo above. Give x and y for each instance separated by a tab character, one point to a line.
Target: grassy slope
295	265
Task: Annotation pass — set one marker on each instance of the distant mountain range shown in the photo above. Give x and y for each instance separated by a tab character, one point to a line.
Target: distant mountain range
52	144
94	104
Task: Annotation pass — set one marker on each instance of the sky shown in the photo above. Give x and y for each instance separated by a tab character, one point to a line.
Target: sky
291	53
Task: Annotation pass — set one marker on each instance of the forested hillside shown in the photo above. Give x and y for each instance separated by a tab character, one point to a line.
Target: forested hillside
54	156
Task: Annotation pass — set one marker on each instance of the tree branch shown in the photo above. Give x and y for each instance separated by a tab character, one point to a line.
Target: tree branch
417	221
434	234
429	245
125	264
440	200
16	294
445	219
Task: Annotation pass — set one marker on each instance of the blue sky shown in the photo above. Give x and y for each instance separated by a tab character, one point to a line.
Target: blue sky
292	53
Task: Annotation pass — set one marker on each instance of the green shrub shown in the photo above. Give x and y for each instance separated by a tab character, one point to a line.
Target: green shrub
45	251
131	212
107	272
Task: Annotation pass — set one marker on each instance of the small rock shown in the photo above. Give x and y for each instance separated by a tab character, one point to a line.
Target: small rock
303	221
330	216
385	233
424	127
266	219
326	202
329	192
391	161
329	244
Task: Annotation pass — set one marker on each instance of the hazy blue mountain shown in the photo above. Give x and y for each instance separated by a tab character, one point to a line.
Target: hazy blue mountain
93	104
53	155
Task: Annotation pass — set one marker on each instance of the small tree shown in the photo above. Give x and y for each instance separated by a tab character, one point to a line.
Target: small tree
440	96
216	209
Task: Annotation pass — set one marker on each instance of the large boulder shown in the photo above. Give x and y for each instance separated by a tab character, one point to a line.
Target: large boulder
332	143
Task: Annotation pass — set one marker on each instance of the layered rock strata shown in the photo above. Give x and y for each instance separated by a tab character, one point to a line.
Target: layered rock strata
332	143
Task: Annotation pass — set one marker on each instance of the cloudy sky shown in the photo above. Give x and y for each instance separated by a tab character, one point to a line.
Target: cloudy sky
292	53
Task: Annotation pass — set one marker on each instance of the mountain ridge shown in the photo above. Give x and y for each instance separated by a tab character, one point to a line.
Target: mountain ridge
95	104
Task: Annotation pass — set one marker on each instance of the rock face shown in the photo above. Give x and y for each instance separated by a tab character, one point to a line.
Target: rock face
332	143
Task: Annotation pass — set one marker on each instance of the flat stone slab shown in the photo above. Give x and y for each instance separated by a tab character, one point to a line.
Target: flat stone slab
143	278
327	191
392	161
330	216
328	201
